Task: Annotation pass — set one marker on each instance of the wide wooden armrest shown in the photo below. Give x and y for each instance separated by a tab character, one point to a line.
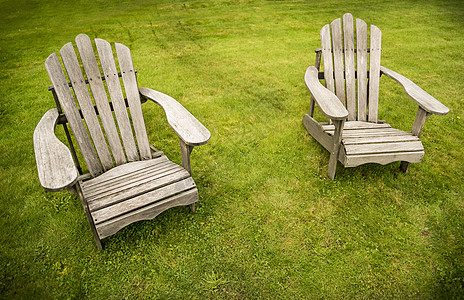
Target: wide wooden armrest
187	127
329	104
418	95
54	161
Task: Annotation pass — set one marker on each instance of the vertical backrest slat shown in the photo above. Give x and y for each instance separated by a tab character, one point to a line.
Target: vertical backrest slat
361	59
66	98
133	97
374	73
348	41
337	47
114	88
326	44
92	71
71	64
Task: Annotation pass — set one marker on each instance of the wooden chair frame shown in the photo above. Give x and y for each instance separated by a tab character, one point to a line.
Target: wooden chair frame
128	179
354	135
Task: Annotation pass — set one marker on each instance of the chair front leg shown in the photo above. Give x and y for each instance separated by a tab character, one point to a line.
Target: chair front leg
337	138
417	127
185	151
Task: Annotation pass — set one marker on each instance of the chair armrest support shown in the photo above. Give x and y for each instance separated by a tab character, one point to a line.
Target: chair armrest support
418	95
329	104
187	127
54	161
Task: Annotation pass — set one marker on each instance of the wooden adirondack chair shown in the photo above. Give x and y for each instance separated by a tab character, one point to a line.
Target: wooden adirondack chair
354	135
128	179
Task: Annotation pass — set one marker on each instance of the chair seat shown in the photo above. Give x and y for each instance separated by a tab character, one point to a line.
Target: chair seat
366	142
136	191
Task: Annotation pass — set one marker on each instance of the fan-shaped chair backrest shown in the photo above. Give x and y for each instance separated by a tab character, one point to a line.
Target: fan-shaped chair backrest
346	63
105	140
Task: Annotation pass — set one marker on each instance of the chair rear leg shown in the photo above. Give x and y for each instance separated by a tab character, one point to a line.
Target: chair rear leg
404	166
192	207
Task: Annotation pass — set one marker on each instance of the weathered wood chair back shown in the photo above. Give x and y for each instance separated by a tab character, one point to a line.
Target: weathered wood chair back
105	140
345	66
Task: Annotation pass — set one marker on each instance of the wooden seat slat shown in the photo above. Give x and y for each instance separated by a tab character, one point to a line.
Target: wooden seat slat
379	139
381	158
410	146
141	200
136	177
135	185
150	211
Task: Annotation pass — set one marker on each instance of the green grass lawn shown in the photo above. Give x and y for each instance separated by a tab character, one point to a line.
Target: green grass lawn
269	224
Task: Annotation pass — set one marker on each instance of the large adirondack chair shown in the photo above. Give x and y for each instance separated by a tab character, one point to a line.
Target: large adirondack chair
354	135
128	179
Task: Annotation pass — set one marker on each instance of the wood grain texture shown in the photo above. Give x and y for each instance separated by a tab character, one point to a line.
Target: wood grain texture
419	121
187	127
348	43
66	98
329	104
337	47
133	97
361	61
92	71
381	158
141	200
374	73
418	95
81	91
148	212
326	44
55	165
315	130
105	54
335	148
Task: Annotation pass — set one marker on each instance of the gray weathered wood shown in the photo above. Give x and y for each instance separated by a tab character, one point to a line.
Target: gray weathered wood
379	139
148	212
141	200
314	128
361	58
92	71
186	150
358	125
335	148
117	99
326	44
374	73
367	140
54	161
88	216
337	47
421	97
130	191
187	127
382	158
132	94
329	104
56	74
371	148
81	91
348	42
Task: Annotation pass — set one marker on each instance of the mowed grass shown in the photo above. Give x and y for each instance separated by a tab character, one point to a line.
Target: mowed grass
269	224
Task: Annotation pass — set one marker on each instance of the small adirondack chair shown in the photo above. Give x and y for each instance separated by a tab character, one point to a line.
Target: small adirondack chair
128	179
354	135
